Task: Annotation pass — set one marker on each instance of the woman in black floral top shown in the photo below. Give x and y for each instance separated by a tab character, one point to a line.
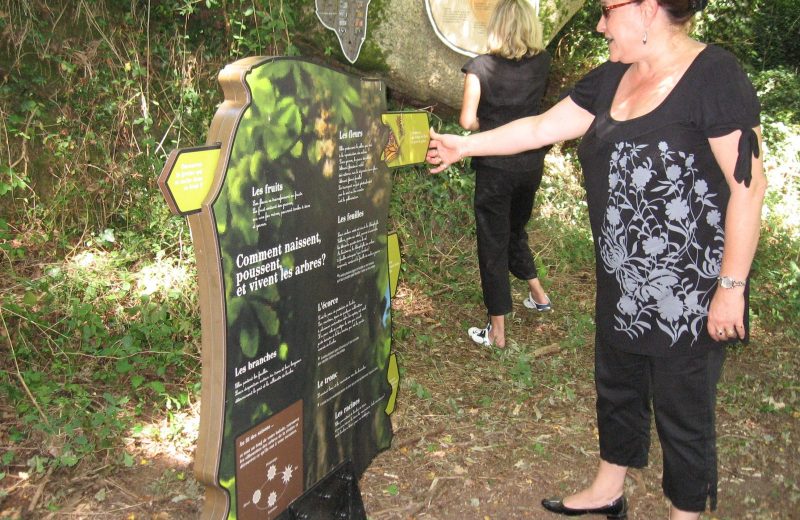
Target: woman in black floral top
675	184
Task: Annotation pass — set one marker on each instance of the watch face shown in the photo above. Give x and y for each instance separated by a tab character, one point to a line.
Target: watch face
726	282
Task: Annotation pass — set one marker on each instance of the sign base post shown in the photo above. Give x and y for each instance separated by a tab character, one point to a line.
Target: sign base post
335	497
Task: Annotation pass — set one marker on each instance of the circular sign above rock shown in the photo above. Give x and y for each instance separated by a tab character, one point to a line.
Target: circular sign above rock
461	24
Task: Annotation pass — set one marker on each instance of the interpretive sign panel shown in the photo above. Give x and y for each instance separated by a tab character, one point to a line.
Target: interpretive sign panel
461	24
294	283
348	19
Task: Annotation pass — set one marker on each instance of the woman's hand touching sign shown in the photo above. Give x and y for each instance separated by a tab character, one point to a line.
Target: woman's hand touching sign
443	150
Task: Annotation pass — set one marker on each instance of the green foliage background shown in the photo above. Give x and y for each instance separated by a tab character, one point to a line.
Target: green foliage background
99	326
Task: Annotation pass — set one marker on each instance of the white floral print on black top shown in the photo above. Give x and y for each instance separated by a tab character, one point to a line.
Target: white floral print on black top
647	241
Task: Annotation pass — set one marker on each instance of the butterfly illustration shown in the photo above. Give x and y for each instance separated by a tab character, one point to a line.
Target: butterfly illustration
392	149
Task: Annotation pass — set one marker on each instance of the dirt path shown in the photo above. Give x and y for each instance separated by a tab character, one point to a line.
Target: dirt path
482	434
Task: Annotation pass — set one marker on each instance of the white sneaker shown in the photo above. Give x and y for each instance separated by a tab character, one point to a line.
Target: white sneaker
530	303
481	336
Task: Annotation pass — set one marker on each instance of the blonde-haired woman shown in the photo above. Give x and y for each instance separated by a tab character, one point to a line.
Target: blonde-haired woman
504	84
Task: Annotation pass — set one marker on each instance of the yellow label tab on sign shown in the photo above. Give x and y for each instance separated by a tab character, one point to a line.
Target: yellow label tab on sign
394	262
187	177
408	138
393	376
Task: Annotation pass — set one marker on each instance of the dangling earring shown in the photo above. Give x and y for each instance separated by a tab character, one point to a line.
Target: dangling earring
644	38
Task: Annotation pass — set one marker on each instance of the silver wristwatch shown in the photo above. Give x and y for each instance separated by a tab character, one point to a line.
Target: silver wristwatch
726	282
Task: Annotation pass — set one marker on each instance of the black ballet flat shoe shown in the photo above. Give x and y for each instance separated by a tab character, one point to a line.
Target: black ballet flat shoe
618	509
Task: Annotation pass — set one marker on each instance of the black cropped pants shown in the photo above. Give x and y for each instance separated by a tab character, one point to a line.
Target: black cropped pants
503	205
682	390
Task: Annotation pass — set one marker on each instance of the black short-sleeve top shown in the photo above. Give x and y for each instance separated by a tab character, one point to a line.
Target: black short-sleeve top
510	89
657	200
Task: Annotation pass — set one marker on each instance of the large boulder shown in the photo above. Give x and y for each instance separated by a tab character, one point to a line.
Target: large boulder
419	64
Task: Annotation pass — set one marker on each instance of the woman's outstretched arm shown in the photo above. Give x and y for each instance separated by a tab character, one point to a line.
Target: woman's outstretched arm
563	121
